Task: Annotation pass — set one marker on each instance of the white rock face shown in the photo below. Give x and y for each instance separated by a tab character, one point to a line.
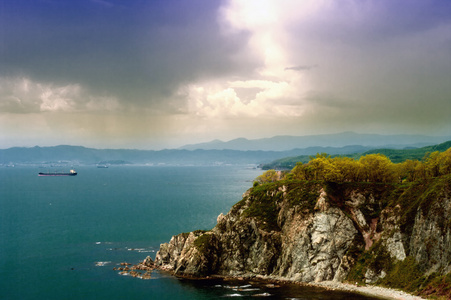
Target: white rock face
307	237
314	252
431	235
395	246
308	247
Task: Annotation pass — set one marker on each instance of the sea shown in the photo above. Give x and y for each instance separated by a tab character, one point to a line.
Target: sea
62	237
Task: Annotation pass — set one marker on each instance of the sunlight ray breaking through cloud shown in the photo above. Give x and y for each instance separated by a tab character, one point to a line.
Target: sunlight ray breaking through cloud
273	67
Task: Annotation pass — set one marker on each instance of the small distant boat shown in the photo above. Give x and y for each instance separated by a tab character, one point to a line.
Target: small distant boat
102	166
71	173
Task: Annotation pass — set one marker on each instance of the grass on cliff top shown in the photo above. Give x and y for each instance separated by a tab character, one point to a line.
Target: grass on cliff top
266	200
303	194
377	196
263	206
203	242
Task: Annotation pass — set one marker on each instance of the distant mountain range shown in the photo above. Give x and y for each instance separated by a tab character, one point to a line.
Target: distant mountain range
284	143
240	151
74	155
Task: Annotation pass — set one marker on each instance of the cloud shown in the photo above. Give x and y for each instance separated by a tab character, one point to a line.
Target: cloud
301	68
249	68
276	92
138	52
24	96
377	63
213	100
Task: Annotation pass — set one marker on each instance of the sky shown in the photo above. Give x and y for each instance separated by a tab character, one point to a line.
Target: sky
161	74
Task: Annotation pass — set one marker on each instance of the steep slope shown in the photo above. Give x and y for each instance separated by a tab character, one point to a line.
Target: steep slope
317	231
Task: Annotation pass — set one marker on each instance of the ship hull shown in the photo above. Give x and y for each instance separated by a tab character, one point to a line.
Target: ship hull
71	173
57	174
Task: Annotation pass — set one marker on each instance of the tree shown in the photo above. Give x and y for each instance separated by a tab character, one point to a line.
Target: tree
350	169
433	164
409	170
298	172
378	168
268	176
372	167
445	162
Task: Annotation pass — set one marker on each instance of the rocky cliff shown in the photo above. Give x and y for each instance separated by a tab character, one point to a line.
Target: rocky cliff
397	235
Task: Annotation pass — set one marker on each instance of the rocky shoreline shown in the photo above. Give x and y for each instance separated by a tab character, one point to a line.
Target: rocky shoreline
323	234
142	270
368	290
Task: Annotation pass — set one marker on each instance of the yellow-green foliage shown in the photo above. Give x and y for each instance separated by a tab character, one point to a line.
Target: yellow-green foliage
369	168
268	176
404	188
377	168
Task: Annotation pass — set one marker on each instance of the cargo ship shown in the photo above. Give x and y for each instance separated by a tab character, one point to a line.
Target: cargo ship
71	173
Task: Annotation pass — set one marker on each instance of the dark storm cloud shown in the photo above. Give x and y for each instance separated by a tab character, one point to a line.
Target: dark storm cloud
354	21
383	60
137	51
129	72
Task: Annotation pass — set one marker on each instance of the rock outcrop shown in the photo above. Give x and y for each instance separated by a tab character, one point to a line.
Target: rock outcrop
317	231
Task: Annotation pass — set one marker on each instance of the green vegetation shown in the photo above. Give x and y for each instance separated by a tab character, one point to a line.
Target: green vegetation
395	156
405	187
437	285
268	176
376	259
393	183
202	243
368	168
199	231
405	275
264	199
303	194
398	156
286	162
264	206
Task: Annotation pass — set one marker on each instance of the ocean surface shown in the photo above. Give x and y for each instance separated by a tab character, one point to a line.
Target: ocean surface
61	237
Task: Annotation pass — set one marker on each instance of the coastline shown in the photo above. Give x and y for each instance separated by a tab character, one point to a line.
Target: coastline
367	290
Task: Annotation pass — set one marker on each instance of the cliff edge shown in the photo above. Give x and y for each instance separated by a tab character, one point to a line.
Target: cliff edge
392	234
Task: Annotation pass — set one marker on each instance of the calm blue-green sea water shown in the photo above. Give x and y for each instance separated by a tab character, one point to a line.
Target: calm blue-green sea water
61	237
